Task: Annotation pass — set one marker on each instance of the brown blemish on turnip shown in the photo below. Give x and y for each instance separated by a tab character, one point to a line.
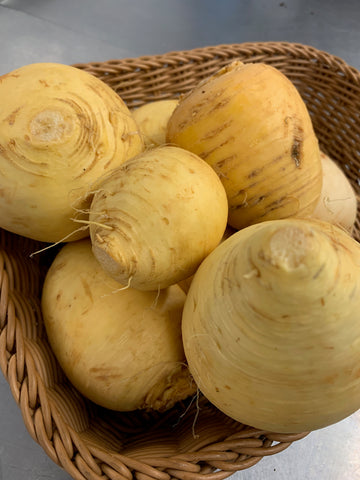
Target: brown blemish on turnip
317	274
87	289
296	151
194	305
8	75
220	105
104	374
58	266
206	154
215	131
12	117
297	144
331	378
255	172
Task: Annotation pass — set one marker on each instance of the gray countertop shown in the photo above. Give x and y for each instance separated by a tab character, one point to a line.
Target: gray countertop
71	31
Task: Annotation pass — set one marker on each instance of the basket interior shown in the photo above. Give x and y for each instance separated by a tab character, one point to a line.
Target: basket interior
193	440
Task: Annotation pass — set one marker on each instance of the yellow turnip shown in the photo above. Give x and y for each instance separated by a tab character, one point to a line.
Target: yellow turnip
60	129
271	325
249	122
156	217
120	347
338	202
152	119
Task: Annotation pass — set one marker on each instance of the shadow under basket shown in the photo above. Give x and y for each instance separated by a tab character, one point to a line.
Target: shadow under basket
193	440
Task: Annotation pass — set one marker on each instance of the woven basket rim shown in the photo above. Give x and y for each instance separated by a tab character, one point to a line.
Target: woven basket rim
280	46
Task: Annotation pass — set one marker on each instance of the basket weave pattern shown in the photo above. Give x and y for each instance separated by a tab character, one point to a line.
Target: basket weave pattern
194	440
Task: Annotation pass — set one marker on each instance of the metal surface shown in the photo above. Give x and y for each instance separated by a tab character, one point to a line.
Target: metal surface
71	31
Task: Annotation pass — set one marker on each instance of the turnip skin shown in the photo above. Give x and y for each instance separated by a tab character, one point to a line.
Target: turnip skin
250	124
185	284
338	202
156	217
60	129
152	119
121	348
270	325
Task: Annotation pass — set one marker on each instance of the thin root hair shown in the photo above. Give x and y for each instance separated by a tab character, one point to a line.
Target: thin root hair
91	222
120	289
83	228
195	398
156	299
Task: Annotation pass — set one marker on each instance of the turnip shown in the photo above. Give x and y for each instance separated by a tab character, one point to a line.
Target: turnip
249	122
60	129
338	202
271	325
120	347
156	217
152	119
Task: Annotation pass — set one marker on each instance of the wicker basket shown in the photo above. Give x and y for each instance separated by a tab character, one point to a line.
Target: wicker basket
193	440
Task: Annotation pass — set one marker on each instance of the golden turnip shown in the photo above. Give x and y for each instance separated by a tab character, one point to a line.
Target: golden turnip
338	202
156	217
152	119
121	348
249	122
271	325
60	129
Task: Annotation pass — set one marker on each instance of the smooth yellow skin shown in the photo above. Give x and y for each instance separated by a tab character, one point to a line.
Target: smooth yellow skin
60	129
152	119
185	284
338	202
121	348
250	124
271	325
156	217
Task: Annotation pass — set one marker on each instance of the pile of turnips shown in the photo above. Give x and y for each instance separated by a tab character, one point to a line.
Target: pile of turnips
206	243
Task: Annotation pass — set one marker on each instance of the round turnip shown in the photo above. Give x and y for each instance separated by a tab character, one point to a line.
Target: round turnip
121	348
60	129
156	217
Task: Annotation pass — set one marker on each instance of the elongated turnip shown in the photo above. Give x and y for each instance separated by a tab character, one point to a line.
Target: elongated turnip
152	119
156	217
250	124
271	325
121	348
337	203
60	129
